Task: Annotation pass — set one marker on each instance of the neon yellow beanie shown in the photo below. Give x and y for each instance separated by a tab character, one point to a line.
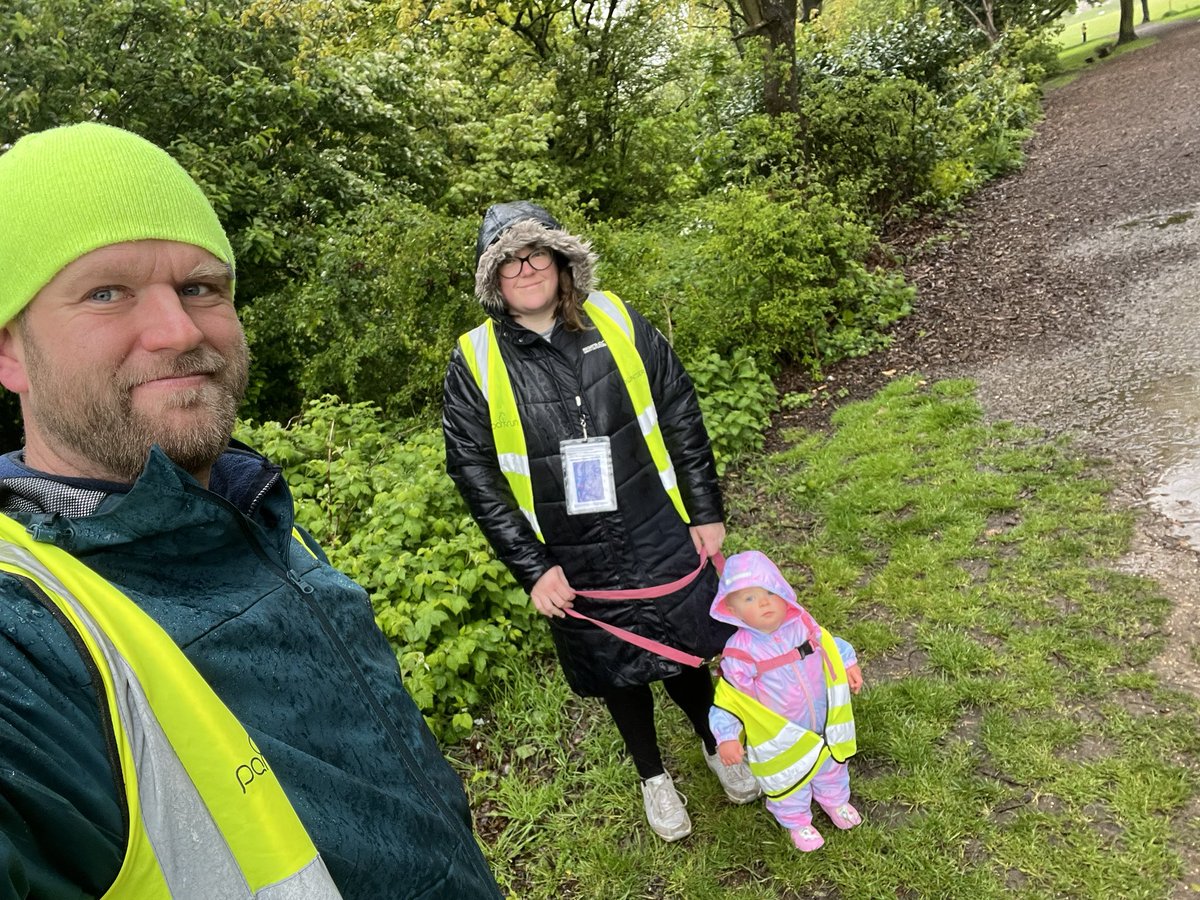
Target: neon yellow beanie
68	191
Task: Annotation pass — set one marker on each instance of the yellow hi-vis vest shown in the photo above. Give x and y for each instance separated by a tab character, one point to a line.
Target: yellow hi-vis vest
207	817
782	755
482	354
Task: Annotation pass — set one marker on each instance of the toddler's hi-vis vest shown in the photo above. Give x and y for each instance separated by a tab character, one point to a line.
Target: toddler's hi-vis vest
207	817
482	354
782	755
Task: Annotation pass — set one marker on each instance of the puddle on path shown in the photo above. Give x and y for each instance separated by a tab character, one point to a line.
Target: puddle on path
1134	390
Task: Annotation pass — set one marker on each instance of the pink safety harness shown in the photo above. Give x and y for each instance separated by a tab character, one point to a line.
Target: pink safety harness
652	593
688	659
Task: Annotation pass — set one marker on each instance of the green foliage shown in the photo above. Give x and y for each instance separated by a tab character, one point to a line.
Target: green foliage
1013	739
377	319
783	276
737	398
385	513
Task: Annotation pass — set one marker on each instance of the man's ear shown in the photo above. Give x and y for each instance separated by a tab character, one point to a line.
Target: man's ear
12	359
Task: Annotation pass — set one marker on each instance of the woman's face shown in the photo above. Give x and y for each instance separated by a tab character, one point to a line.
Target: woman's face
531	294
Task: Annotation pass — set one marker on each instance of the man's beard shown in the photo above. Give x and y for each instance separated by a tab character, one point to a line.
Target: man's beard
93	415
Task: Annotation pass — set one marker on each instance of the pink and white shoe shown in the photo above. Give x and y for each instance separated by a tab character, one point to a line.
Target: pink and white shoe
807	839
844	816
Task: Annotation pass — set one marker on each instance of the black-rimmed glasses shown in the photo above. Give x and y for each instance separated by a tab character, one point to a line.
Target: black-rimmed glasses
538	260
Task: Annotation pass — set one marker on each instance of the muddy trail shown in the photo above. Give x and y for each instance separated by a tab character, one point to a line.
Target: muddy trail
1070	292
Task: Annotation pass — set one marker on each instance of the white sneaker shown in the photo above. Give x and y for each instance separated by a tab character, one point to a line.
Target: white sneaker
665	808
740	786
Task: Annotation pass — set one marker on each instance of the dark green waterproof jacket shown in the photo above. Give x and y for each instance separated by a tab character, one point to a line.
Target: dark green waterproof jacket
287	642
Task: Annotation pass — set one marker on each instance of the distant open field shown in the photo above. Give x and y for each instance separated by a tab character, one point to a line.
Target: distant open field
1103	20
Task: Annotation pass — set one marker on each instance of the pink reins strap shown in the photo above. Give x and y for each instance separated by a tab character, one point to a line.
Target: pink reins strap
651	593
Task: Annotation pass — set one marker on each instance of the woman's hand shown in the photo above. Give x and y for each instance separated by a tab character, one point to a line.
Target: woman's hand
552	593
707	539
854	678
731	752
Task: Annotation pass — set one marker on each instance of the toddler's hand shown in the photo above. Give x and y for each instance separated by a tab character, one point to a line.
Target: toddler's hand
731	752
854	677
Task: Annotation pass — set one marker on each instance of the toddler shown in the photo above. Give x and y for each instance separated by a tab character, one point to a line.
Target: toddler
785	690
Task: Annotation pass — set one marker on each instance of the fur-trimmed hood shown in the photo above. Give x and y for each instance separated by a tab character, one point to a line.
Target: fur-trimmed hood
506	228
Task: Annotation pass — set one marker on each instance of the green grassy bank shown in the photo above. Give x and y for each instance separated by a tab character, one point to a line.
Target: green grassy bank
1012	741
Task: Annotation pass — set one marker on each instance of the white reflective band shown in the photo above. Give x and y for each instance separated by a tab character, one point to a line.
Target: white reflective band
533	522
600	299
516	463
479	343
667	476
839	695
647	419
837	734
784	740
781	781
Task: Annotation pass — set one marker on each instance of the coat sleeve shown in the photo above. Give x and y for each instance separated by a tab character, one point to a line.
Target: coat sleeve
682	424
472	464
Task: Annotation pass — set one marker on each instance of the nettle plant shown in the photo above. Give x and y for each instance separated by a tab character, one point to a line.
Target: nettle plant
386	514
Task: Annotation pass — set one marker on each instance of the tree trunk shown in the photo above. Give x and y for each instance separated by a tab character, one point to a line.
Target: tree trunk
1126	34
1145	11
777	20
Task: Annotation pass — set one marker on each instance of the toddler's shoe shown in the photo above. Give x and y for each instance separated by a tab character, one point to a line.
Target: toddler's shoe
740	786
665	808
807	839
844	816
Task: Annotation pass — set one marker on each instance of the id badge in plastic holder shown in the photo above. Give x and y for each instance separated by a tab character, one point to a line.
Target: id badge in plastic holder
588	476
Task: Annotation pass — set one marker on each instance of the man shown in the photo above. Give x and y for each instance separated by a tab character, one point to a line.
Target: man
192	702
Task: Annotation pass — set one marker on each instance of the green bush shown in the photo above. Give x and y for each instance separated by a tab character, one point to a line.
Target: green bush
377	319
383	509
737	398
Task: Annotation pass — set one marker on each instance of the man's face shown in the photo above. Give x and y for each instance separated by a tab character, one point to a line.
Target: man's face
131	345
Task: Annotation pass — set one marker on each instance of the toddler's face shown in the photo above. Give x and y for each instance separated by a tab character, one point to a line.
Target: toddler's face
758	608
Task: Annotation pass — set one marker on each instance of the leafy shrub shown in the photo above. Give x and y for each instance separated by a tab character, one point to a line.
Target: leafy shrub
377	319
384	511
775	270
737	399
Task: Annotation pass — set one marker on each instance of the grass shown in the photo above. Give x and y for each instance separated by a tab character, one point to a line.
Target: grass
1011	739
1103	22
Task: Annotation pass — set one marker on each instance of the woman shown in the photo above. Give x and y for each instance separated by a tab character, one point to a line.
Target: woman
543	442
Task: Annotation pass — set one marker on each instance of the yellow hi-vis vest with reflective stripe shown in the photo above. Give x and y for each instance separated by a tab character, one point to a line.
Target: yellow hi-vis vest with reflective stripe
482	354
782	755
207	817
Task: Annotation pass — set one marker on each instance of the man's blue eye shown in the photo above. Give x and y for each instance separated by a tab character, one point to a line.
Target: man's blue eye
103	295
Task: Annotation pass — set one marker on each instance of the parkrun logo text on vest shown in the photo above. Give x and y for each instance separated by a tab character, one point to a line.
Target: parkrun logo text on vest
248	771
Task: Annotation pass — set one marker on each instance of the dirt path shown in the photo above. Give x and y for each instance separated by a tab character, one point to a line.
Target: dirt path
1070	291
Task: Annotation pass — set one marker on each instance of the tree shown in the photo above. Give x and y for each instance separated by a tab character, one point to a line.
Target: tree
1126	33
776	21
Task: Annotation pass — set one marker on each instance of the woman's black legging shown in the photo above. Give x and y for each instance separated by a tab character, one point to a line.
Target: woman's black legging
633	710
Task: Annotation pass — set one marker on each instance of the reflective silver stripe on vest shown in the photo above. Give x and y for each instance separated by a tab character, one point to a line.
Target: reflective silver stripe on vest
839	695
193	855
781	781
479	344
837	734
514	462
313	881
786	738
600	299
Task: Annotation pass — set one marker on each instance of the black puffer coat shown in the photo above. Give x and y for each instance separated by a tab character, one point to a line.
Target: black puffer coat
643	543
